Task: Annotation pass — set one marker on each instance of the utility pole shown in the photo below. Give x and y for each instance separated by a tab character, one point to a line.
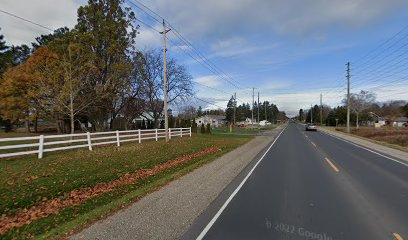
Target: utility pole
258	107
166	114
235	106
321	110
348	97
311	113
253	95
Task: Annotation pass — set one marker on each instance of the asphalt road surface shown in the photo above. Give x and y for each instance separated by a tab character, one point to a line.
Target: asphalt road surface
310	185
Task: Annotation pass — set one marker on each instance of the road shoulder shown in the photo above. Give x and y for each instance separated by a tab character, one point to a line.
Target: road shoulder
395	153
169	212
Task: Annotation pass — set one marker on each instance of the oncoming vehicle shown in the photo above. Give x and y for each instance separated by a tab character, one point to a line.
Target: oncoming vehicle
311	127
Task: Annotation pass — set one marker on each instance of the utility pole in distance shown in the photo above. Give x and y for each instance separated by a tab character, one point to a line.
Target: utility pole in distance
348	97
166	114
235	106
311	113
253	95
258	107
321	110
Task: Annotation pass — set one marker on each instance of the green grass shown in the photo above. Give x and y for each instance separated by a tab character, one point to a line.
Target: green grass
26	181
238	130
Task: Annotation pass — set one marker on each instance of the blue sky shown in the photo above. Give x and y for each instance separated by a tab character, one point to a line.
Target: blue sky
289	50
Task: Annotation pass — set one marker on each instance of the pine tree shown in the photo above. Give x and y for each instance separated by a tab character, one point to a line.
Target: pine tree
202	129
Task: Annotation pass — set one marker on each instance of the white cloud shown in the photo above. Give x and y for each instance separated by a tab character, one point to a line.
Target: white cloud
148	39
210	80
45	12
287	17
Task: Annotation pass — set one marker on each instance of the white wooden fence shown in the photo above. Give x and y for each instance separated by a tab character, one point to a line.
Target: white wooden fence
50	143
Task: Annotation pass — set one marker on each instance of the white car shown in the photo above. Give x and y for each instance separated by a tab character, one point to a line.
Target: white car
311	127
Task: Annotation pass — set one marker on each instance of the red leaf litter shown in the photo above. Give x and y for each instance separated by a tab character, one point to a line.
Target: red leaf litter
78	196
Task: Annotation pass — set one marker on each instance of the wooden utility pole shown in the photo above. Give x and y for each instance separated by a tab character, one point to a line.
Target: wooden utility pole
166	114
258	107
235	107
348	97
253	95
321	110
311	113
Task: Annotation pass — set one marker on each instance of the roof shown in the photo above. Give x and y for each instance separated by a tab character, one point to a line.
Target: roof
402	119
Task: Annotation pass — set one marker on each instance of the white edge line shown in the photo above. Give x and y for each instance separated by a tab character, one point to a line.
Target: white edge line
372	151
216	216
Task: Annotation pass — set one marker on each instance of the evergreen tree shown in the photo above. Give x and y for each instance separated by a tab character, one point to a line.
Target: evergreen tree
107	31
200	111
208	129
194	127
202	129
229	112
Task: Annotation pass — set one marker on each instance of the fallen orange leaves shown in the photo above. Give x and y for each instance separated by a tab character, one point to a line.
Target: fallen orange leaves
78	196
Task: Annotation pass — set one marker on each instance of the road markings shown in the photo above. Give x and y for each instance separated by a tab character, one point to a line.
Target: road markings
217	215
397	236
313	144
332	165
379	154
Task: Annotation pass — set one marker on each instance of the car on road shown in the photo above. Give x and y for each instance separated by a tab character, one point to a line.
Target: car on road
311	127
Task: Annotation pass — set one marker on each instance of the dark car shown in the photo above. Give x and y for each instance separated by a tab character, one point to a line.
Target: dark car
311	127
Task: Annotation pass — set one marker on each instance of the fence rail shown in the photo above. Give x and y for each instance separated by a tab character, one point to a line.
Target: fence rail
51	143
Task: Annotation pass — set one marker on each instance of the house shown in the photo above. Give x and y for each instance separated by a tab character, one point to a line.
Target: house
400	122
213	120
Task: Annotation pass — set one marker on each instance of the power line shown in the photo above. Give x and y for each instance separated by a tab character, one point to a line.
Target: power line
204	59
382	44
26	20
207	102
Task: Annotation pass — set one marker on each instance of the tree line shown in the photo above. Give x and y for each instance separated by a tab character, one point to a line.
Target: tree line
91	73
267	111
363	108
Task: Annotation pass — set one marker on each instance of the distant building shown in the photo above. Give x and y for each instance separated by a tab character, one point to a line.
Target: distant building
264	123
400	122
213	120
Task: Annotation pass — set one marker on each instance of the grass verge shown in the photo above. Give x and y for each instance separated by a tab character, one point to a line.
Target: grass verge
27	181
385	141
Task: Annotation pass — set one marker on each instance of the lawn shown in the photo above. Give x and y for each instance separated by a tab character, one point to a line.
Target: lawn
89	185
392	137
242	130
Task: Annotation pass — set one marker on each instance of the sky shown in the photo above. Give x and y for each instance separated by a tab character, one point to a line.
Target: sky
290	51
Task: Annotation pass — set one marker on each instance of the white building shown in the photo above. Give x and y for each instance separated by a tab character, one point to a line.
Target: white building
400	122
264	123
213	120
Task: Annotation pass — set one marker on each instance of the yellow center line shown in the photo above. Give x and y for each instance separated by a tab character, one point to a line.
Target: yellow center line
334	167
397	236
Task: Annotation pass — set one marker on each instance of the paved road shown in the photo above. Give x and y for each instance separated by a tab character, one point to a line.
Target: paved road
310	185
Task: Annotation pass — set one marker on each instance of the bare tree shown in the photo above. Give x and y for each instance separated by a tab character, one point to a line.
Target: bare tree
150	70
360	102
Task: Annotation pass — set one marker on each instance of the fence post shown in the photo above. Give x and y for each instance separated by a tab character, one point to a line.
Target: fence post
169	133
190	131
88	136
117	138
41	147
140	137
156	135
181	132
